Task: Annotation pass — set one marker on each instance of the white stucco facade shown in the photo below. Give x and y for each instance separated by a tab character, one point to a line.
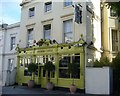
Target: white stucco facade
1	52
8	55
110	32
90	26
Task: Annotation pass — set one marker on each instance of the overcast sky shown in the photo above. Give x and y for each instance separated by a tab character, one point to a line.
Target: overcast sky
10	11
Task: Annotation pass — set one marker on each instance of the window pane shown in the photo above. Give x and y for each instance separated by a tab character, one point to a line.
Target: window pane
36	72
47	34
114	40
63	66
67	2
63	73
30	36
47	31
31	12
27	73
48	6
68	35
12	42
68	26
77	75
64	61
76	59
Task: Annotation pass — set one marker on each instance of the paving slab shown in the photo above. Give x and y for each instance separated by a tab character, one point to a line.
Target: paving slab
25	91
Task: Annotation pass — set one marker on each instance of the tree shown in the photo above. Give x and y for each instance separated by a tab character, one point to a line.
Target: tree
115	6
49	67
32	68
116	74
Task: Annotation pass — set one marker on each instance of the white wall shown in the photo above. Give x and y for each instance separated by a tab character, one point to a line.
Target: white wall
58	14
11	31
1	52
98	80
93	31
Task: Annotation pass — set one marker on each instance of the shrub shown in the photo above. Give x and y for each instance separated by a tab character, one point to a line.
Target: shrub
104	61
32	67
49	66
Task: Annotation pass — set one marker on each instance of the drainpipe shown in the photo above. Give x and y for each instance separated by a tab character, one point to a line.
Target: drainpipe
102	15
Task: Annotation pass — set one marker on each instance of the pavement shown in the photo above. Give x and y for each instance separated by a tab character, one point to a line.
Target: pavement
25	91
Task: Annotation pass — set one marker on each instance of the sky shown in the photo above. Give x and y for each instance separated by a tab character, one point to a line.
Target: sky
10	11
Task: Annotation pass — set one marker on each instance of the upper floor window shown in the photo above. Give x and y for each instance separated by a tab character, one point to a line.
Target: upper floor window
12	43
48	6
68	34
47	31
30	36
67	3
32	12
115	40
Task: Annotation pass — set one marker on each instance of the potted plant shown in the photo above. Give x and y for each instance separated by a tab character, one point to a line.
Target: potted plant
49	67
32	68
72	69
40	42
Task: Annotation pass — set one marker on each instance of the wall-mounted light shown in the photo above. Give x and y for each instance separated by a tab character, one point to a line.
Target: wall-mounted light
24	51
69	47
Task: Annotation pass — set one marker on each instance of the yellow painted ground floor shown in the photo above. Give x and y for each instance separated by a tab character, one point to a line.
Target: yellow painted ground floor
61	55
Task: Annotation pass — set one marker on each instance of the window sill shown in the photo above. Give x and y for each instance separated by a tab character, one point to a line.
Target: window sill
31	17
48	12
64	7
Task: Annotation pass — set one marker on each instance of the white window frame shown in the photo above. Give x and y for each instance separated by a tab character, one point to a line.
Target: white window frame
44	32
32	12
69	31
30	36
12	42
48	6
114	42
67	3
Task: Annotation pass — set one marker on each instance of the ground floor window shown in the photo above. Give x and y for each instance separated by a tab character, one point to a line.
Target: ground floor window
63	65
42	60
24	62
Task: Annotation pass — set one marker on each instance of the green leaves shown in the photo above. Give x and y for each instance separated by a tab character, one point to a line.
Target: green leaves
116	63
49	66
72	68
115	6
32	67
104	61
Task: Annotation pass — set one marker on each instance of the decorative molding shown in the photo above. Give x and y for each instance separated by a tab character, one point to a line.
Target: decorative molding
67	15
47	20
